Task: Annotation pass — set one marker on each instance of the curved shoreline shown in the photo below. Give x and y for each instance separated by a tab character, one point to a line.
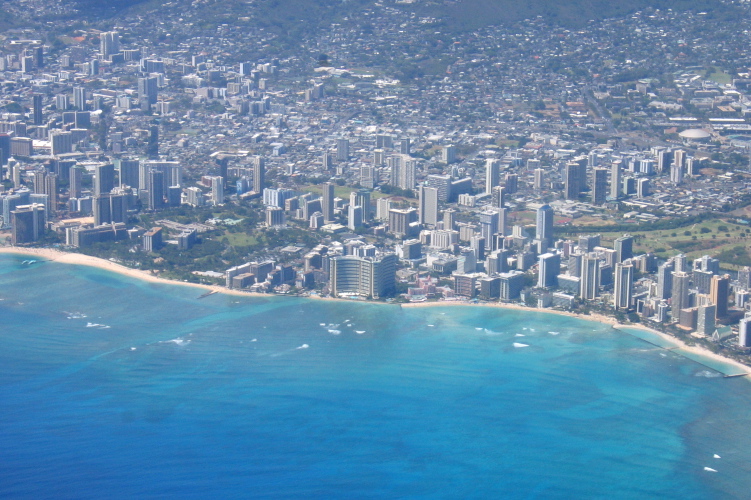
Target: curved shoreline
87	260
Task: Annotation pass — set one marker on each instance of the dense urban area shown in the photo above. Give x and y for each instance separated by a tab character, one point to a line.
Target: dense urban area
595	168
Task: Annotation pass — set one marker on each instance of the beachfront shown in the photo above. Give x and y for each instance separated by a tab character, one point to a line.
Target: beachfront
86	260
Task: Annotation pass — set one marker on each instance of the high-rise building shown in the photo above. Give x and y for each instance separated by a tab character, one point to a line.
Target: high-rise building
259	168
400	220
624	285
545	217
62	142
511	183
572	186
109	44
705	320
489	220
624	248
275	216
327	202
539	179
599	186
128	173
492	175
718	294
680	297
665	280
428	206
217	190
744	331
76	182
148	91
27	223
549	269
590	277
448	154
79	98
498	197
342	150
104	178
354	217
156	190
37	109
442	183
615	180
373	277
361	198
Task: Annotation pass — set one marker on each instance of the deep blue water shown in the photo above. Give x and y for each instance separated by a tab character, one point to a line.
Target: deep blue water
215	398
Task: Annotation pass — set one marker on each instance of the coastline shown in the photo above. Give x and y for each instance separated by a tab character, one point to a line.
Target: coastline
87	260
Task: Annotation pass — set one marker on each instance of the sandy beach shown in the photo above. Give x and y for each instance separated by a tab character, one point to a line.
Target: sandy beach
86	260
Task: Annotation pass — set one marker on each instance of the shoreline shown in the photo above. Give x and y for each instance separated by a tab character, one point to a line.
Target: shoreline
75	258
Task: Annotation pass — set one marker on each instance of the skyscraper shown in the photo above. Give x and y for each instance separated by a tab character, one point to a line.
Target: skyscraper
79	98
679	299
148	90
744	331
342	150
665	280
572	187
539	179
37	109
28	223
615	180
156	190
365	276
590	277
624	248
488	225
492	175
624	285
104	178
428	203
600	184
705	320
327	202
545	218
718	294
259	168
549	269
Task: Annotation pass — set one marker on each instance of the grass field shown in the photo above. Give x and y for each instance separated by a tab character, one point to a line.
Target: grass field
712	237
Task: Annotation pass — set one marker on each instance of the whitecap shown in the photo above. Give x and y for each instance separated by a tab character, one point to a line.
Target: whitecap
554	333
132	348
532	330
359	332
102	327
517	344
334	332
322	324
479	329
92	325
717	456
519	335
254	340
349	324
431	325
709	469
524	328
304	346
178	341
662	354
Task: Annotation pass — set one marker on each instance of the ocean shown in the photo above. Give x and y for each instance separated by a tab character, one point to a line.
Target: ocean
119	388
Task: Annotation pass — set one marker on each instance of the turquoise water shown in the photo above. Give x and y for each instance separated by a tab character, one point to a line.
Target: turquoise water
156	393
